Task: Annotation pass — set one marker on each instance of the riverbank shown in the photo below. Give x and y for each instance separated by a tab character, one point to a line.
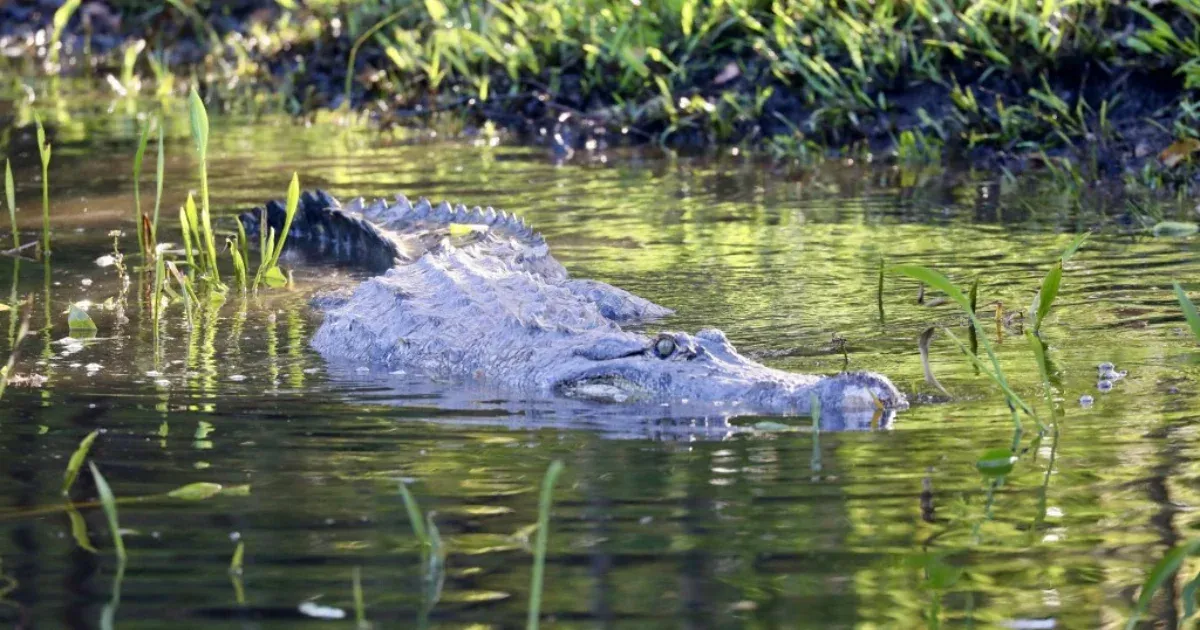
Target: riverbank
1090	89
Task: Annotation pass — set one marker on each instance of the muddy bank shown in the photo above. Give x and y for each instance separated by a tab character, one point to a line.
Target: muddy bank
1105	101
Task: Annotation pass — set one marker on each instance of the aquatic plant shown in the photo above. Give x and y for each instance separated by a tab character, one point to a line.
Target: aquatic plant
1162	571
207	243
75	464
61	16
109	502
7	370
44	153
272	247
1189	311
158	189
539	546
143	141
10	197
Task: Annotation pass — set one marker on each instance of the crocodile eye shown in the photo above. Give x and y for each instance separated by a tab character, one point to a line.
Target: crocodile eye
664	347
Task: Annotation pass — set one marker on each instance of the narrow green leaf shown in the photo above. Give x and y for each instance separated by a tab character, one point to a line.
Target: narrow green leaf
196	491
1075	245
414	516
239	554
539	547
10	193
79	530
158	187
198	116
78	320
109	503
1039	355
935	280
1047	295
437	10
1163	570
360	611
1189	311
75	464
293	202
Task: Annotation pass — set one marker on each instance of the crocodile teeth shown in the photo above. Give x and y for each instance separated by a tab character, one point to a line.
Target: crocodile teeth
443	212
422	209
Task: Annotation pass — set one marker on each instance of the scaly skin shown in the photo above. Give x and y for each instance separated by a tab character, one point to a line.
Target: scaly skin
494	308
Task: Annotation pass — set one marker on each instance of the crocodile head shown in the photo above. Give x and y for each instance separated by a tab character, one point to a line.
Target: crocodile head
704	374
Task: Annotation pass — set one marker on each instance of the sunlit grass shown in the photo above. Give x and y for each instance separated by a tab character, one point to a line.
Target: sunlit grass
536	583
44	154
11	199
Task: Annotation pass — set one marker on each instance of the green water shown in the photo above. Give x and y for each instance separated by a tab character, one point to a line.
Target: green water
654	526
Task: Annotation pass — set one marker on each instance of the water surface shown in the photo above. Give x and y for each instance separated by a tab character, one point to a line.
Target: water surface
655	525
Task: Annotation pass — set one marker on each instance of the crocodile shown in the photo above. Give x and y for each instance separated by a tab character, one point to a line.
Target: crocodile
474	296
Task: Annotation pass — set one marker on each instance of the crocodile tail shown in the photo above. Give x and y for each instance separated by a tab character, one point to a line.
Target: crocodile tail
403	216
323	230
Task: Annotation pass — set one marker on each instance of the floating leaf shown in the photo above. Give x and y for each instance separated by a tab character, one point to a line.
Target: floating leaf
1179	151
75	464
1176	229
1189	311
997	462
196	491
79	321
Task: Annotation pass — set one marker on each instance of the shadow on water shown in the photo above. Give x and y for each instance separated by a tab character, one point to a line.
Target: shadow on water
697	523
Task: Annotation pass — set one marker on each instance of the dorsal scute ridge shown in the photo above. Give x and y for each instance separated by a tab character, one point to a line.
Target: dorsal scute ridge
406	217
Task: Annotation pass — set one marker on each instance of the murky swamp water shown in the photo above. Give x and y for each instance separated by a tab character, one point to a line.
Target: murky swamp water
654	524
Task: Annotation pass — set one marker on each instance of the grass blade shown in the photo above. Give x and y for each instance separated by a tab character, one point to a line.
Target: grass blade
1046	295
1039	355
239	555
44	152
1075	245
879	289
61	17
539	548
1163	570
158	188
109	503
1189	311
293	202
75	464
360	611
414	515
10	193
143	141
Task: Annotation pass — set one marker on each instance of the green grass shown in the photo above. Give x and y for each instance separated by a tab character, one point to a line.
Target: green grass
11	199
997	73
207	242
44	154
143	142
536	582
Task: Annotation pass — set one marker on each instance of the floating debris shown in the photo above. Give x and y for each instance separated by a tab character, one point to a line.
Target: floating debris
1086	400
317	611
106	261
1104	385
